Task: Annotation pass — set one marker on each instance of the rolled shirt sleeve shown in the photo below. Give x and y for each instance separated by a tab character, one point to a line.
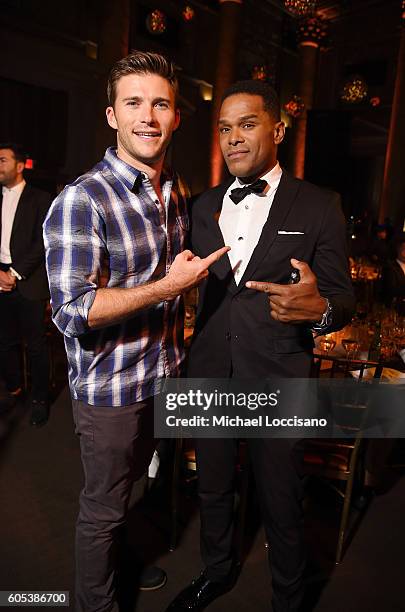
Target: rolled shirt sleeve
75	249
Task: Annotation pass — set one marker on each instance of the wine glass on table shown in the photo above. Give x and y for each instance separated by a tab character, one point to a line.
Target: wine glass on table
327	344
351	347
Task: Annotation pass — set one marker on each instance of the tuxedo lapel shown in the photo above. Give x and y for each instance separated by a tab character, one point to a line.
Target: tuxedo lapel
214	238
283	200
19	213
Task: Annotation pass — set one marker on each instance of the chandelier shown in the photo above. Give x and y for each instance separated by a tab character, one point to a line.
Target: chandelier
355	90
156	22
295	107
300	8
188	13
259	73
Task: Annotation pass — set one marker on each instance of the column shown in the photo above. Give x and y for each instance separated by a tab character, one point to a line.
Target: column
115	45
308	66
230	20
392	202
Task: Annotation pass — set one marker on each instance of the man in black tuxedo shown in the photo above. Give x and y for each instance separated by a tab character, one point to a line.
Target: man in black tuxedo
23	282
251	323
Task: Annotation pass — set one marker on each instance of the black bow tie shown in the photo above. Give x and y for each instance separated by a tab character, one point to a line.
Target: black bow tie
239	193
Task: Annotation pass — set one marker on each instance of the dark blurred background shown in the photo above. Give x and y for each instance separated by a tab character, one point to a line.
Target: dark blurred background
338	68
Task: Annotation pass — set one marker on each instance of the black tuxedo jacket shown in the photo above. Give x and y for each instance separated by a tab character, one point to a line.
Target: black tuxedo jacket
234	331
26	242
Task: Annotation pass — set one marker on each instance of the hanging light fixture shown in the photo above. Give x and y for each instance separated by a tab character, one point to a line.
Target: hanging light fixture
300	8
156	22
295	107
188	13
355	90
259	73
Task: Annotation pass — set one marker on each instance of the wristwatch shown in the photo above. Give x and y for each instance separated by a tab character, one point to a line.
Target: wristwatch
326	320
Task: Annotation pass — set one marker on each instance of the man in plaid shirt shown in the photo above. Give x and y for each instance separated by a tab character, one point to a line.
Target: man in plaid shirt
116	266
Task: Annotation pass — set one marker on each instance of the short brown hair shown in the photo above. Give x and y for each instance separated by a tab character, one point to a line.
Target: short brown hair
141	62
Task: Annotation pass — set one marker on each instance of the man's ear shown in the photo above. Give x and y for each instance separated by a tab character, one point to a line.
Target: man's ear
20	167
177	119
112	122
279	132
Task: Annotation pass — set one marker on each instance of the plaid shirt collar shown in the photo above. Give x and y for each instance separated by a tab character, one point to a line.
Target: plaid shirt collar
122	171
130	176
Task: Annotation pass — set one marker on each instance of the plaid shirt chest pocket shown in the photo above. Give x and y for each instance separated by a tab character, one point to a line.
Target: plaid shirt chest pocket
135	251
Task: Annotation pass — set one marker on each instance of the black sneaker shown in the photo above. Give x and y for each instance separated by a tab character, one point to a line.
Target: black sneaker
152	578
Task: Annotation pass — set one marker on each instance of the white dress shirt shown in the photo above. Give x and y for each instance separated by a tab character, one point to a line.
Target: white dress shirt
242	224
11	197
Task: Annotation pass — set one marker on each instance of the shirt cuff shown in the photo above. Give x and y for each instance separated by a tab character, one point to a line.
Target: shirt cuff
15	274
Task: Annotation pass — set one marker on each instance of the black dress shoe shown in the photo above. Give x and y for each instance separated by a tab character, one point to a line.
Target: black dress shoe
39	413
199	594
152	578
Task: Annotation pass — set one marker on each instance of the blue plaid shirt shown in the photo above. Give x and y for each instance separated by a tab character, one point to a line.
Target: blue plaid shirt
108	229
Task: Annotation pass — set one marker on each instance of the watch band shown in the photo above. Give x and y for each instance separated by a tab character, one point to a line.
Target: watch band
326	319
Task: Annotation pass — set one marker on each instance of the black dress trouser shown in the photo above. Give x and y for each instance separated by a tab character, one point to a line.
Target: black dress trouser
21	318
280	493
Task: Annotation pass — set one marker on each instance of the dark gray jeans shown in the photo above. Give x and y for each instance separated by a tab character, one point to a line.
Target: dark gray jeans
116	445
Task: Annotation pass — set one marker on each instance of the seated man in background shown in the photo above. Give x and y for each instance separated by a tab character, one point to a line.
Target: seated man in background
23	283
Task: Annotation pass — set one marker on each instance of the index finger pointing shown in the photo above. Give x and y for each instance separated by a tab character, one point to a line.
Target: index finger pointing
273	288
259	286
213	257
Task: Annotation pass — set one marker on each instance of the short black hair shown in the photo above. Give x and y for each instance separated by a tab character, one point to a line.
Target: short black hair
255	87
18	151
